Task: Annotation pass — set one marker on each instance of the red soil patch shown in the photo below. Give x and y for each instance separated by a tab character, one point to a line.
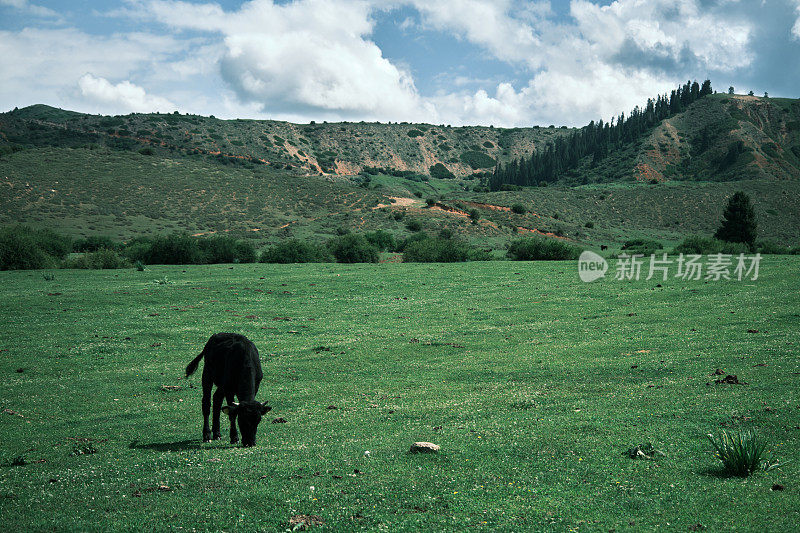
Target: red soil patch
644	172
448	209
488	206
542	233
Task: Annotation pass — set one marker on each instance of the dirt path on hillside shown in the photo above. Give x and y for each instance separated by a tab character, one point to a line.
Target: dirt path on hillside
487	206
399	201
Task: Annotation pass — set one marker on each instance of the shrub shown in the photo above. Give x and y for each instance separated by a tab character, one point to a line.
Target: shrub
94	243
589	225
519	209
419	236
414	225
707	245
740	452
641	246
414	133
174	249
474	214
20	251
22	247
439	250
98	260
382	240
353	248
772	248
138	249
431	202
296	251
224	249
53	244
477	160
440	171
541	249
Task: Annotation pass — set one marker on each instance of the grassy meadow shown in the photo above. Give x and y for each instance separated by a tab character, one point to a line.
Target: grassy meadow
533	383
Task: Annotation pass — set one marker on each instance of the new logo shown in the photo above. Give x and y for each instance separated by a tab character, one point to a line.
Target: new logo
591	266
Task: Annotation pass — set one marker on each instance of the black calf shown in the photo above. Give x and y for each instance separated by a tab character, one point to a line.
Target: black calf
232	364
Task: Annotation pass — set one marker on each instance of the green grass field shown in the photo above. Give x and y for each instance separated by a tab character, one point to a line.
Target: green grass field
533	383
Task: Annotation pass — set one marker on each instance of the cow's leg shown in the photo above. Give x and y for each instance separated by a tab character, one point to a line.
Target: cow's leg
232	415
208	384
218	396
206	412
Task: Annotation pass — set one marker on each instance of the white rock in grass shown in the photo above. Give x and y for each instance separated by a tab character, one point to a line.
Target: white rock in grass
424	447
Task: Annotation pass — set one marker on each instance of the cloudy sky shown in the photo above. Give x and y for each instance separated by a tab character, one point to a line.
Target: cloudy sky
501	62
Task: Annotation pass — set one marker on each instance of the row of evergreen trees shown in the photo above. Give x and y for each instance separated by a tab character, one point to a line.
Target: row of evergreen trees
596	140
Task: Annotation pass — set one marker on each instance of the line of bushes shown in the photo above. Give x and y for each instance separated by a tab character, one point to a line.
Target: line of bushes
347	248
708	245
541	249
426	249
365	248
182	249
22	247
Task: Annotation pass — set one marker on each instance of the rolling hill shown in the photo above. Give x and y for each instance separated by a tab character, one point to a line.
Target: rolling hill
138	174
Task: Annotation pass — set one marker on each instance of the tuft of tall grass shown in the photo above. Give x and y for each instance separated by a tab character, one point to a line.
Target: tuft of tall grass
741	452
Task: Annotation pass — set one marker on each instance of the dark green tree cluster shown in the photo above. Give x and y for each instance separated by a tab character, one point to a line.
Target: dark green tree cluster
597	139
738	221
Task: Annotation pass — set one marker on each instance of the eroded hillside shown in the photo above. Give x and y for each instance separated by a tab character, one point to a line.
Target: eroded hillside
338	149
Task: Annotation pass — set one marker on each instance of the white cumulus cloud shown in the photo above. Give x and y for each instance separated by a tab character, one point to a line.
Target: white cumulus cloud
488	23
664	29
320	59
311	56
124	95
603	60
44	65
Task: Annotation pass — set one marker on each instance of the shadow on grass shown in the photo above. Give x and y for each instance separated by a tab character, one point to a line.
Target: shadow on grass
171	446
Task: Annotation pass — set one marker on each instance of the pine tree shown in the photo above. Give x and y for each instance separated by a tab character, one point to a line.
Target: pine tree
738	221
596	140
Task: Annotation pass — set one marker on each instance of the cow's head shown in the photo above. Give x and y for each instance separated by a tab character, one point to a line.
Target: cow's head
249	414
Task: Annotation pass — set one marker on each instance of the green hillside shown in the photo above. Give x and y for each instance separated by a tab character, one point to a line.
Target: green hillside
138	174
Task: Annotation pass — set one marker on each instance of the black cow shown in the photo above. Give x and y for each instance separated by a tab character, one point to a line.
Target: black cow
232	364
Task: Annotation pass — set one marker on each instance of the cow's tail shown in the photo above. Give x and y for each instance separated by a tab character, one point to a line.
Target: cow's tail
191	367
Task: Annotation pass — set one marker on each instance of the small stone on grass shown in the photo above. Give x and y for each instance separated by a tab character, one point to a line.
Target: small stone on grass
424	447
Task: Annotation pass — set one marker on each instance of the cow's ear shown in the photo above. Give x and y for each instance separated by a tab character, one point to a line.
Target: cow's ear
230	409
265	408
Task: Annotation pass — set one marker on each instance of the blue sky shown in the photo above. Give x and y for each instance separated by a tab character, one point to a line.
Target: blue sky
447	62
